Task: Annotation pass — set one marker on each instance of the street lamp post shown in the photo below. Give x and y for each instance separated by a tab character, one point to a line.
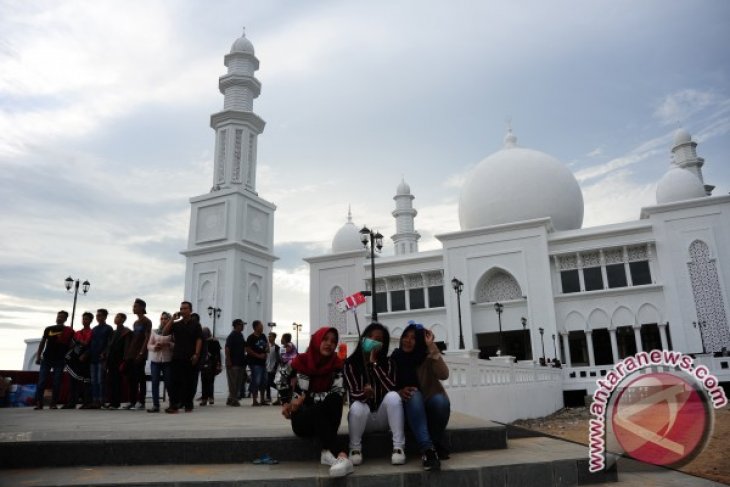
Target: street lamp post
459	287
271	326
498	307
215	313
542	339
699	327
70	282
524	331
375	239
297	328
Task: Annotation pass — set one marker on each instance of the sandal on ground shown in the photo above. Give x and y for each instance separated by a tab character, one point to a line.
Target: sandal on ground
265	460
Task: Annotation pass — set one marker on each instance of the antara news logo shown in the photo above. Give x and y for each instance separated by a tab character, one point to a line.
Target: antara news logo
656	406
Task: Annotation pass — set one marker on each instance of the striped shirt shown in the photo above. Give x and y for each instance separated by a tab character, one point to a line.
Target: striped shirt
301	386
381	376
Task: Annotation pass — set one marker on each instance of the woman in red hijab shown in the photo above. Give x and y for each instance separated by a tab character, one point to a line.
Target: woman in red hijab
315	409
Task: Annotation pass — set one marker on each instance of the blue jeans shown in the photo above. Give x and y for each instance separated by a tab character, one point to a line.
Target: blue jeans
427	418
157	370
98	376
258	378
46	366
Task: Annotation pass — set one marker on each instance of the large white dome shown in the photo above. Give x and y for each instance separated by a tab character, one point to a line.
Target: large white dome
678	185
516	184
347	238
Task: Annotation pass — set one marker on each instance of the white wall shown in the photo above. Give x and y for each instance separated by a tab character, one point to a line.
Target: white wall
502	392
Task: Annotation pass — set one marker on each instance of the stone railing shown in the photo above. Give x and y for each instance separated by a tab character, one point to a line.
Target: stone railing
585	377
501	390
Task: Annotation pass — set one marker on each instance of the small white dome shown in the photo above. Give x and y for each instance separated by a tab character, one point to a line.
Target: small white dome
678	185
516	184
347	237
403	188
242	45
681	136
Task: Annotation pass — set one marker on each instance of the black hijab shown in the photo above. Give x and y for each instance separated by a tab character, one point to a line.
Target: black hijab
407	363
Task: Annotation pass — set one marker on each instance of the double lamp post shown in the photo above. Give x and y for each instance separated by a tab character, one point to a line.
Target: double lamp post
71	282
375	239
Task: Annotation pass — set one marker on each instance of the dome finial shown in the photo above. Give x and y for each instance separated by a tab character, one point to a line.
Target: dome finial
244	31
349	213
510	140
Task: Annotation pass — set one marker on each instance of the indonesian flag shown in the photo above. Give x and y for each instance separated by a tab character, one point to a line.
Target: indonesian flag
350	302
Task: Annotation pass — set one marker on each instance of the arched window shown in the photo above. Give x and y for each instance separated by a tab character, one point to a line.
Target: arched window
708	297
497	285
335	318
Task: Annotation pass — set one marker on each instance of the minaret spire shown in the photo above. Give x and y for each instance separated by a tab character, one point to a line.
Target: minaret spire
684	155
510	140
406	237
237	127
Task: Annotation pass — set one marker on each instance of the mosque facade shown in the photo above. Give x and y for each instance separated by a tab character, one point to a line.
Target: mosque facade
587	296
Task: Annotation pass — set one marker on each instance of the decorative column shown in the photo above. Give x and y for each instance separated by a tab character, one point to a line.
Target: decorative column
663	335
589	343
614	344
566	349
581	280
637	338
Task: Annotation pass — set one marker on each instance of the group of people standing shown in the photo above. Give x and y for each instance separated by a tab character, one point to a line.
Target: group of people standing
262	356
384	391
180	352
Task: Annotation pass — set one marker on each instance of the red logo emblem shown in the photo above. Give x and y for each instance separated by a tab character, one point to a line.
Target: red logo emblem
661	418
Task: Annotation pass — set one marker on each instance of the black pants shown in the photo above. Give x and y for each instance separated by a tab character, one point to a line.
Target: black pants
320	420
270	384
184	383
207	380
115	385
136	380
79	392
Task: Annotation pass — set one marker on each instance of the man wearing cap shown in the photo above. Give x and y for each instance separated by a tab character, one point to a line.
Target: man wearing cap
136	356
235	361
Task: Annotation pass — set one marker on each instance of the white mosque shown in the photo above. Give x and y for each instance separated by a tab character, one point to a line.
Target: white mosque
588	296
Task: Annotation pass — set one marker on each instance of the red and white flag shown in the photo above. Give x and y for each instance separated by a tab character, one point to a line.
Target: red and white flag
350	302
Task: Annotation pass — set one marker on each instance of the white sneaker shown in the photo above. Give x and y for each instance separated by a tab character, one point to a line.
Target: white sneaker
139	406
356	457
341	467
398	457
327	458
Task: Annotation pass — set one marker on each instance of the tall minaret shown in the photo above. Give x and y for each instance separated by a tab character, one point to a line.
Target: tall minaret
406	237
684	155
231	240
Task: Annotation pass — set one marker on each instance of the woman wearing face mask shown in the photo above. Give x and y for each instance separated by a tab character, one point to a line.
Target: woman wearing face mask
316	408
374	403
420	368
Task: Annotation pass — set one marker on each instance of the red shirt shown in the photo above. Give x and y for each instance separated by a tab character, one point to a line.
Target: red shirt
83	335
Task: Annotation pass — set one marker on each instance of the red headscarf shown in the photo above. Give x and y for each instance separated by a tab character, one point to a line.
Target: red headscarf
319	369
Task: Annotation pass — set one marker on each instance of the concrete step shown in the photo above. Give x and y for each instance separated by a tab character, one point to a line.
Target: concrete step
211	435
543	462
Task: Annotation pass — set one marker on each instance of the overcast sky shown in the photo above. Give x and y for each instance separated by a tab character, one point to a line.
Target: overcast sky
105	106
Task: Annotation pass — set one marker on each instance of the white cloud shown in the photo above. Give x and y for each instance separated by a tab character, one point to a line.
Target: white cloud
595	152
677	108
616	198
